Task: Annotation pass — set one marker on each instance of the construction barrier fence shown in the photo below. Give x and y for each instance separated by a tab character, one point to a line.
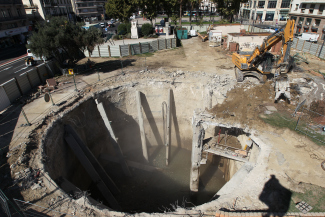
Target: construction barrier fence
131	49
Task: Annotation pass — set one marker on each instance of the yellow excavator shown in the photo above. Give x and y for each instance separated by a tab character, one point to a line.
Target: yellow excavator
261	63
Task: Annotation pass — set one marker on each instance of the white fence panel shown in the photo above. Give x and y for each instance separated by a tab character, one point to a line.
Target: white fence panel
33	77
4	100
306	46
95	52
11	89
104	51
23	83
313	49
115	51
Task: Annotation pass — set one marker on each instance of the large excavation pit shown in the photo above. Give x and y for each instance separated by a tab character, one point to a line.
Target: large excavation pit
116	145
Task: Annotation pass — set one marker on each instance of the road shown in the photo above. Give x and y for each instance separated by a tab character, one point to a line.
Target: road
14	69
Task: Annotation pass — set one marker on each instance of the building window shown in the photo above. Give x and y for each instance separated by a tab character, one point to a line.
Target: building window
303	7
311	9
259	15
254	4
272	4
31	2
18	12
9	13
301	20
306	29
293	18
261	4
269	16
317	22
3	13
321	8
308	21
285	4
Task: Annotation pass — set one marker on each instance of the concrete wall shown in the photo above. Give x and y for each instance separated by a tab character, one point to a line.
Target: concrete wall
229	28
246	42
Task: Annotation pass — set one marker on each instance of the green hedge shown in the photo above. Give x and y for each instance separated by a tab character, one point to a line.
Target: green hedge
146	29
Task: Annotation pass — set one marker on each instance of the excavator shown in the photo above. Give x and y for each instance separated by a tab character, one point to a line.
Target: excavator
260	63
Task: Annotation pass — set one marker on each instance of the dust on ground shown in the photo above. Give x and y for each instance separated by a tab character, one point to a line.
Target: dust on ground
244	103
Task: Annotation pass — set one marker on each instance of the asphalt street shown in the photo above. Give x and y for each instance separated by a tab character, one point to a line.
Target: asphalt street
14	69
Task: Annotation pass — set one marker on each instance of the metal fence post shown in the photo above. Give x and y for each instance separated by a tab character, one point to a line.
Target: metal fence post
75	85
99	52
321	49
120	51
129	48
140	48
122	67
109	51
22	110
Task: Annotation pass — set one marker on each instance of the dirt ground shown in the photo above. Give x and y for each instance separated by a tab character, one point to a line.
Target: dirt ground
289	156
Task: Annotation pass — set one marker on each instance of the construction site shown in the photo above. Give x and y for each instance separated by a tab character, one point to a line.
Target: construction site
186	131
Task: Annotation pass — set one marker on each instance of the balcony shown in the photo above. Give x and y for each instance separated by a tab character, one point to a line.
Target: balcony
9	2
6	19
34	6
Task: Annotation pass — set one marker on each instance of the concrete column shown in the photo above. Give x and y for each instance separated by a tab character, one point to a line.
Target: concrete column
169	104
92	171
115	144
197	146
142	132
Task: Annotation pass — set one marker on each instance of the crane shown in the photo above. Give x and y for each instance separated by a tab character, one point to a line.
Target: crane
261	63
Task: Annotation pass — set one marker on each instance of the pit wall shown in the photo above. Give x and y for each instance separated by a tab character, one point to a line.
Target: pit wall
121	108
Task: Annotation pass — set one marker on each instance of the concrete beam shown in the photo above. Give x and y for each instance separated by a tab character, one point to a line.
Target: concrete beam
197	146
115	144
93	160
168	133
142	132
212	151
91	171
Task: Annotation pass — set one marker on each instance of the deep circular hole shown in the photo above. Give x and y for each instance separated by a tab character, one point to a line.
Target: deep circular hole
153	186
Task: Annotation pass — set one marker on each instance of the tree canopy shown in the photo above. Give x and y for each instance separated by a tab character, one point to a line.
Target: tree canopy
58	37
121	9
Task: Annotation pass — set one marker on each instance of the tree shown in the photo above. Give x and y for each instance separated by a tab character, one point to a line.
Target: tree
58	37
229	8
121	9
149	8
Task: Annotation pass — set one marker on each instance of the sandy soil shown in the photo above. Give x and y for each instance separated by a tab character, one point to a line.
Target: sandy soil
291	157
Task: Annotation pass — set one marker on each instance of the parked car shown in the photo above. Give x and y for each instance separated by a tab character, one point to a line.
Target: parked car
113	20
102	25
309	36
110	25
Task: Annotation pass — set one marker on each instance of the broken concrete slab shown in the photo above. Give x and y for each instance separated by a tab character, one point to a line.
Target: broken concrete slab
271	108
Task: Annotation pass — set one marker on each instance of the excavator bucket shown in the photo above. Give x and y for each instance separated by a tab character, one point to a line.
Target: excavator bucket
282	88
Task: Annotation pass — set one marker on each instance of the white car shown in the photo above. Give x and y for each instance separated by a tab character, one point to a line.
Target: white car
102	25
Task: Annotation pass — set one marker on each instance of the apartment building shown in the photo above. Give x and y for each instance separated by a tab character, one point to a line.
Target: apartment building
89	9
309	16
47	8
13	23
208	5
269	11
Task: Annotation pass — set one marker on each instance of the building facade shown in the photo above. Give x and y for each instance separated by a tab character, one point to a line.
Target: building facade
208	5
14	26
309	16
269	11
89	10
47	8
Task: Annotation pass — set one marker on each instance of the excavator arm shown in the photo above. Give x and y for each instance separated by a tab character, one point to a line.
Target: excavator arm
260	62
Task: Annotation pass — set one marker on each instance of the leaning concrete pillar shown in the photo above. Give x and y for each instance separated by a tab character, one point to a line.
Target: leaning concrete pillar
197	146
141	126
113	138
